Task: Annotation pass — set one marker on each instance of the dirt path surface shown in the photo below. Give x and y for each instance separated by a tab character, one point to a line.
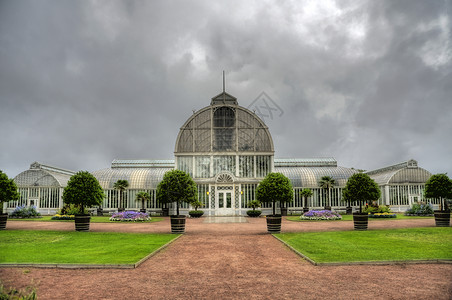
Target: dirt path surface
234	261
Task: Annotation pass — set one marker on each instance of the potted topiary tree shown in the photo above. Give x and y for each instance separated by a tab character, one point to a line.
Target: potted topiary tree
360	187
326	183
440	186
121	185
83	190
177	186
254	213
306	193
8	192
196	213
142	197
274	188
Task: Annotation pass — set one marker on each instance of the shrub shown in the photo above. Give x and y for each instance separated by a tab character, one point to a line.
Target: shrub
254	204
25	212
321	215
254	213
130	216
11	293
195	213
374	208
420	209
72	209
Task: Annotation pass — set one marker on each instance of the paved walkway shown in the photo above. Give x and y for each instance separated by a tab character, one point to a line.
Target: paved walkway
234	261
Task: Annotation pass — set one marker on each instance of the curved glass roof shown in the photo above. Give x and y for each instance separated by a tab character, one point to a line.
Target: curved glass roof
43	175
138	178
224	126
406	172
310	176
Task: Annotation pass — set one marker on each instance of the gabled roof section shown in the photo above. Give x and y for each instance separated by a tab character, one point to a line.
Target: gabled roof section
142	163
224	98
306	162
39	166
406	164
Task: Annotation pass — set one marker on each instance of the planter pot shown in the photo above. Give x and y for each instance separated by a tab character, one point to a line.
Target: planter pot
327	207
82	222
360	221
274	223
283	211
196	213
177	224
305	209
254	213
142	210
442	218
165	212
348	210
3	219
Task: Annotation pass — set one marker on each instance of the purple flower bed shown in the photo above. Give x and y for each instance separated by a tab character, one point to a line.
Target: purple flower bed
321	215
130	216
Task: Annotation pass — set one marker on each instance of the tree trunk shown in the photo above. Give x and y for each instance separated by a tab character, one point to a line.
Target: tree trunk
177	207
274	208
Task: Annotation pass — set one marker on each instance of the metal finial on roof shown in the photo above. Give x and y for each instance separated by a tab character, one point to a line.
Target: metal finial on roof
224	83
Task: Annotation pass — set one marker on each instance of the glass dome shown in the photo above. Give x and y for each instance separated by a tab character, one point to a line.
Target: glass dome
224	126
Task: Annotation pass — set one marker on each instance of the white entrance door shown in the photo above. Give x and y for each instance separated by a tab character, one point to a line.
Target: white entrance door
224	203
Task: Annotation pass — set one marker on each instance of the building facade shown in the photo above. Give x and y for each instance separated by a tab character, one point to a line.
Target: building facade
227	150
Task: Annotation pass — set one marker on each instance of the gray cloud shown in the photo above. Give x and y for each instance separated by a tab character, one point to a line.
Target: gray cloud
85	82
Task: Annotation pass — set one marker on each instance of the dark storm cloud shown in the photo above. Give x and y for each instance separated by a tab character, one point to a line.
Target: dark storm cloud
85	82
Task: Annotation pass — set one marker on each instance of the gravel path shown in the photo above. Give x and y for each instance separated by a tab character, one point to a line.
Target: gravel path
234	261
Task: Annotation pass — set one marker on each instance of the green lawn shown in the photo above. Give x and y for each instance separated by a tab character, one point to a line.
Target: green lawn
94	219
32	246
350	218
374	245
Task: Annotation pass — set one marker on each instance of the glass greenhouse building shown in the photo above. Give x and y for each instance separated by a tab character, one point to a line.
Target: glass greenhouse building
227	150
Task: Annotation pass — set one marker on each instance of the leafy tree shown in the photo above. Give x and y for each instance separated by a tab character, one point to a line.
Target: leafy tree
8	190
83	190
360	187
306	193
143	197
274	188
439	186
177	186
326	183
121	186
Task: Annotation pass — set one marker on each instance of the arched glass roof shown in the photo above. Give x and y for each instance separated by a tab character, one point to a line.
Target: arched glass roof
406	172
224	126
138	178
43	175
310	176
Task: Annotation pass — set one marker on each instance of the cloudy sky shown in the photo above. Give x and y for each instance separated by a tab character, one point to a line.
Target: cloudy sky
85	82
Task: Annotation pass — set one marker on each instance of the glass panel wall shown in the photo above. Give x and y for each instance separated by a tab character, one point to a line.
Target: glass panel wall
223	163
202	165
263	165
246	166
185	163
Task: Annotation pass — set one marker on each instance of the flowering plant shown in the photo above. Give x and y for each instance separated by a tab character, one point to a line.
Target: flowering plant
420	209
63	217
321	215
382	215
23	211
130	216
